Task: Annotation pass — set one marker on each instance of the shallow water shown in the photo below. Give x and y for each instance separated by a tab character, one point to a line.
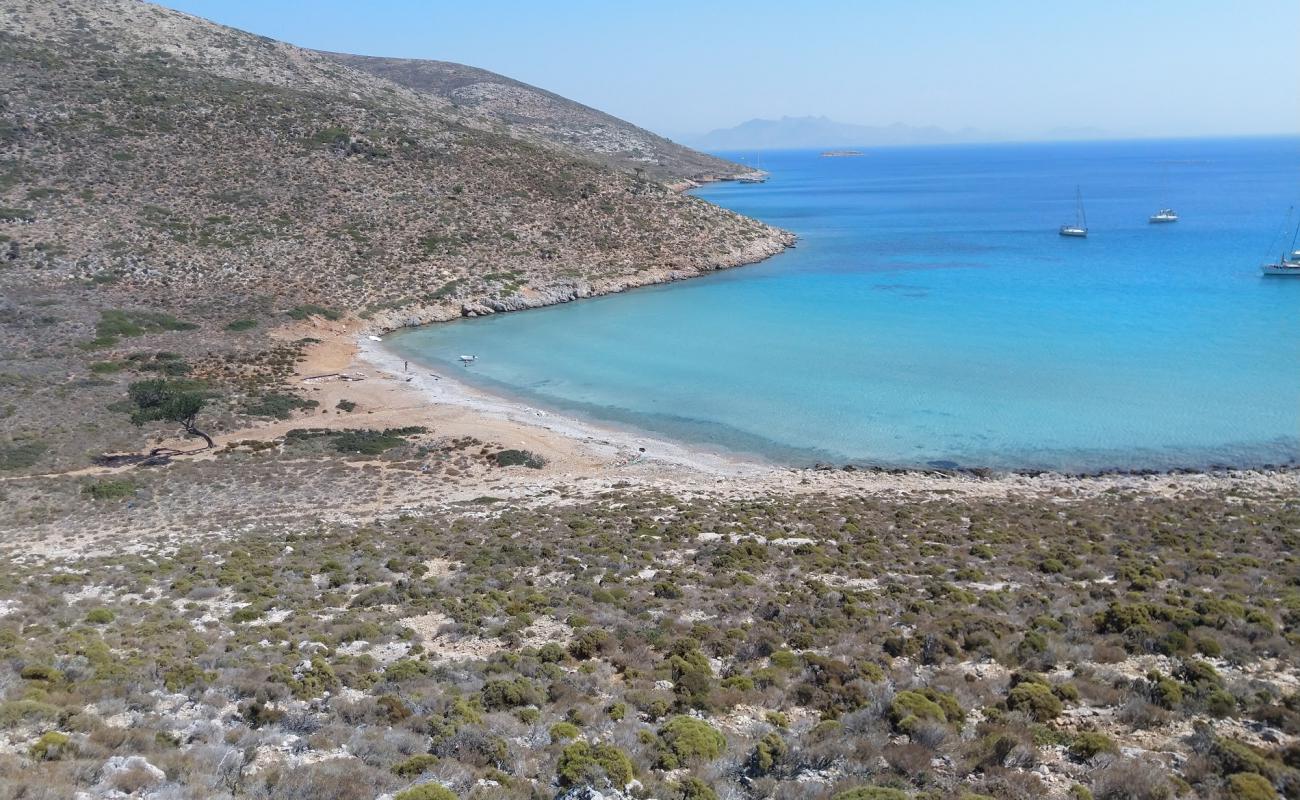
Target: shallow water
931	314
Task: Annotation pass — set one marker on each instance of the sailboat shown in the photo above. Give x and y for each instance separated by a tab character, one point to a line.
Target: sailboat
758	175
1164	214
1080	226
1286	264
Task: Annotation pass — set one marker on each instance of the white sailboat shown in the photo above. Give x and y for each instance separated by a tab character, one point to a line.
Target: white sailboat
1286	264
1164	215
758	175
1080	226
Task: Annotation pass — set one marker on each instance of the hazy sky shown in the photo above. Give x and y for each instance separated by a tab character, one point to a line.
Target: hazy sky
1152	68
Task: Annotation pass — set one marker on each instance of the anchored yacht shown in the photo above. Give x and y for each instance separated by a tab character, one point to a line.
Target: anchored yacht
1080	226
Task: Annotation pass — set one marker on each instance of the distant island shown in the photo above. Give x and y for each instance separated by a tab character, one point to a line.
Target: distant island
841	153
790	133
807	133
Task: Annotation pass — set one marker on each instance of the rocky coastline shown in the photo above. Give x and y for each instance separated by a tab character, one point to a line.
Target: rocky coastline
564	290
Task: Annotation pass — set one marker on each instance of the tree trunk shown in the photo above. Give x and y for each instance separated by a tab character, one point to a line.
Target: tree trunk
193	431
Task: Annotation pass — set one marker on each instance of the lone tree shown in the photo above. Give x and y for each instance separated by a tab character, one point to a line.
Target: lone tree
159	400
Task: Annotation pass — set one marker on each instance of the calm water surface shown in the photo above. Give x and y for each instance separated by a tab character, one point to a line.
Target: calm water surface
931	313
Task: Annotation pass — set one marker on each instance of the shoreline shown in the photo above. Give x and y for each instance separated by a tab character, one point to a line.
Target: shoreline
601	456
442	389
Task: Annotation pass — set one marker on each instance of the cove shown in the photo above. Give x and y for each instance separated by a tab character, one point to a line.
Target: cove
931	316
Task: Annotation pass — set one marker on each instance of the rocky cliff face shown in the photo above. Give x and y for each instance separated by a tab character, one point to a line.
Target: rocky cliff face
173	161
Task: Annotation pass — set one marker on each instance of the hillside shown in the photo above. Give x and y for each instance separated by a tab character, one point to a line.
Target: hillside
152	162
146	148
532	113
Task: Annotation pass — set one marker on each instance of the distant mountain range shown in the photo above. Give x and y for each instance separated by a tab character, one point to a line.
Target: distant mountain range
812	132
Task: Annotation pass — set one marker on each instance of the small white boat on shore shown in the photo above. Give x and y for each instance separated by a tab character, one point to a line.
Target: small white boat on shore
467	360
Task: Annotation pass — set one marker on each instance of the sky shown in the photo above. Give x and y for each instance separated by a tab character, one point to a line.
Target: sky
1013	69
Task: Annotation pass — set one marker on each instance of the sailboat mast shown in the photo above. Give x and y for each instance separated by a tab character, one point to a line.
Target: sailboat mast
1080	215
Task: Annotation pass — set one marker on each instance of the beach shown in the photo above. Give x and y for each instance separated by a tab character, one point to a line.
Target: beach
587	458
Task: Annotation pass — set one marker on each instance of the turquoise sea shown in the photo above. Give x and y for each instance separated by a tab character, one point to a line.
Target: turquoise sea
931	315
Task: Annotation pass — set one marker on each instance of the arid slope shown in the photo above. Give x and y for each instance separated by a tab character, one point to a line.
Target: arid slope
532	113
147	149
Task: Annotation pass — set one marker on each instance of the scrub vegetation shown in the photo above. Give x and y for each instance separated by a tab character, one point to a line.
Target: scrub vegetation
647	644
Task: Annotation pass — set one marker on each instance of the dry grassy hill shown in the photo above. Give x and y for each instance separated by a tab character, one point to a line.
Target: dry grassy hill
153	162
154	150
532	113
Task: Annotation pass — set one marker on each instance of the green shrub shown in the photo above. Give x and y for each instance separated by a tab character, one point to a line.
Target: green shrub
239	325
109	490
1166	692
769	750
406	669
1088	745
551	653
1198	673
26	711
528	715
1068	692
686	741
311	310
909	708
519	458
415	766
505	694
247	613
278	405
1119	617
1249	786
426	791
366	442
562	731
691	788
16	215
346	406
1036	700
593	765
40	672
21	456
784	659
1220	703
113	324
51	746
99	616
588	643
314	681
185	676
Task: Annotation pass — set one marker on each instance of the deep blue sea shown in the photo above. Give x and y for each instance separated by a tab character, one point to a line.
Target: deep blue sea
931	315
